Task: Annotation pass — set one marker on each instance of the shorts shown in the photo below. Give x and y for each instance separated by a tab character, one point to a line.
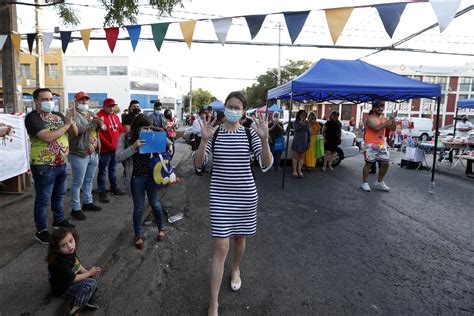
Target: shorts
376	152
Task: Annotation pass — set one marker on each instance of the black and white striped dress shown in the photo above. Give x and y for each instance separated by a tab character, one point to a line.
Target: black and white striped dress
233	194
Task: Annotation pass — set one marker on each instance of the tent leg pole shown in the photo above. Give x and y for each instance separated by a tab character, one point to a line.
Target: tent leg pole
287	141
432	184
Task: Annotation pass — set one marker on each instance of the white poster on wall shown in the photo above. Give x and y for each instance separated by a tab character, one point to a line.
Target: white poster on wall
14	148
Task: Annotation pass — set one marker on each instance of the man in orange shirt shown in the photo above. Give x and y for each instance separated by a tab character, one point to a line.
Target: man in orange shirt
375	146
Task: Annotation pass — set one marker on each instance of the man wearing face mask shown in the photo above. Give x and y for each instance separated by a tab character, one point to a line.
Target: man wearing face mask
157	117
463	127
49	149
84	156
133	111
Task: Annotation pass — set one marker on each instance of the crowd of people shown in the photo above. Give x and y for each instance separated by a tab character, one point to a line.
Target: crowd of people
95	143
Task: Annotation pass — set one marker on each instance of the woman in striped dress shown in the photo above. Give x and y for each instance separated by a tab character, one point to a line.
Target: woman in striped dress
233	194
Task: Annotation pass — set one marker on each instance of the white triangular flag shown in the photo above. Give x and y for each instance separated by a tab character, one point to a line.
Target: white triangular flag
221	26
47	39
3	39
445	11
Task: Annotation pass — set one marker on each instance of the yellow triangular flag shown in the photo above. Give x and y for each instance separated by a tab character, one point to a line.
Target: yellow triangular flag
337	19
86	36
16	41
187	27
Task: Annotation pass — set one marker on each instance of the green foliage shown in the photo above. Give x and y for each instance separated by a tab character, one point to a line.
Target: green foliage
200	97
118	12
256	94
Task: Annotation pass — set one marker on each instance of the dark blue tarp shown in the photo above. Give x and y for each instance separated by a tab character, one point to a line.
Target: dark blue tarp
466	104
352	80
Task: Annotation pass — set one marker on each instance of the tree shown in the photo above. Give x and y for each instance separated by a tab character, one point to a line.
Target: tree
200	97
256	94
118	12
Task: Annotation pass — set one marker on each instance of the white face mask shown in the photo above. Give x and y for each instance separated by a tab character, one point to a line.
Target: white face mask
47	106
82	107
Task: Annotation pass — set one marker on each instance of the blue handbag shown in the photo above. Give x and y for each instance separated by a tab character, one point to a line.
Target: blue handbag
280	143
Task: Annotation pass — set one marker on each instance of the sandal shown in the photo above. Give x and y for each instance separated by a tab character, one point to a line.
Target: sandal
139	243
295	175
161	235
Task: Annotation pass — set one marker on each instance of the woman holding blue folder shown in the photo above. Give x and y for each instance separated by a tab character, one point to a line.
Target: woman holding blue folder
139	177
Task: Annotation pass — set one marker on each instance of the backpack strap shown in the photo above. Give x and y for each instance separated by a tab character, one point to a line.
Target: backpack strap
214	137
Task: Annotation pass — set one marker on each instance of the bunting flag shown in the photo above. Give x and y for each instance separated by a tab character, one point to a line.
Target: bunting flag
187	28
134	34
111	34
30	38
337	19
221	26
255	23
3	39
65	38
16	41
47	39
445	11
390	15
159	32
86	36
295	22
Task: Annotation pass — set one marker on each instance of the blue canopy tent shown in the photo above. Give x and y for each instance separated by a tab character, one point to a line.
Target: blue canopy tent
355	81
216	106
462	104
273	108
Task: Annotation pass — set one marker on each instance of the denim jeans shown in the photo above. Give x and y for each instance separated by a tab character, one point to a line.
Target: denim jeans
140	184
50	186
107	166
83	170
276	156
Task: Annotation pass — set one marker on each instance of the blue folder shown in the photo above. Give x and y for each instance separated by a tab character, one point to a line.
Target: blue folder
155	142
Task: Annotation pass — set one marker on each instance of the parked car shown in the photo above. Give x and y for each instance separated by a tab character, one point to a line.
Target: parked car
346	149
448	130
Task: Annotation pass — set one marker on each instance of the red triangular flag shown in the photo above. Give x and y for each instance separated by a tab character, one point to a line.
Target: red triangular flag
111	34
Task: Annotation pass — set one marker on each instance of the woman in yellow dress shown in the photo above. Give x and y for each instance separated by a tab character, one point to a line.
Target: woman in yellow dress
310	156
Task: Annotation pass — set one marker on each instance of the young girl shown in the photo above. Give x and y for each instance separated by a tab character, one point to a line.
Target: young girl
170	125
66	274
233	193
138	177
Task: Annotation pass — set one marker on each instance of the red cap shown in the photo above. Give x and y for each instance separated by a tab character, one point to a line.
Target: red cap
109	102
81	95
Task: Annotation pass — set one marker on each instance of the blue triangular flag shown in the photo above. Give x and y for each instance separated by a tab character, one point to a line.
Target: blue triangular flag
65	38
134	34
295	22
390	15
255	23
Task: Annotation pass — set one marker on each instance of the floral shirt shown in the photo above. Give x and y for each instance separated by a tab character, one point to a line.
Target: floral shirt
43	153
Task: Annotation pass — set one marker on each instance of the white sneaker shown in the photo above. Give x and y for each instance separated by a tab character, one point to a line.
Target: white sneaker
381	186
365	186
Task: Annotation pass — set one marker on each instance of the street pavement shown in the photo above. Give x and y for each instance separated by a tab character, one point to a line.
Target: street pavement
323	246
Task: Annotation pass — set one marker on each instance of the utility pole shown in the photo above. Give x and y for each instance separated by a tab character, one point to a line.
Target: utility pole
190	95
279	65
10	66
39	48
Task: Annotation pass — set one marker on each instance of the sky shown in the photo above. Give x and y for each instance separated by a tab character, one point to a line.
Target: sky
247	62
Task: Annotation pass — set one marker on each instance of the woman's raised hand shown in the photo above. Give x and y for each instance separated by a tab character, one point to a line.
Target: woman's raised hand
261	126
207	127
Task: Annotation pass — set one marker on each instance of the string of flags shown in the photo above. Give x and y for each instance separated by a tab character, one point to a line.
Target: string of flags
336	18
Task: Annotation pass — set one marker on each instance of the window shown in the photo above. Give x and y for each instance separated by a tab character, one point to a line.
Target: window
464	84
147	86
25	70
51	70
118	70
346	112
86	70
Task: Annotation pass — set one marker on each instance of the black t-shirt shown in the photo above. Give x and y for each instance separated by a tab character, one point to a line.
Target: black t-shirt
274	133
127	119
333	131
63	272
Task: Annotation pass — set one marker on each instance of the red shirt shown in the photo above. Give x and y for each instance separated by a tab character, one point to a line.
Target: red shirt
109	138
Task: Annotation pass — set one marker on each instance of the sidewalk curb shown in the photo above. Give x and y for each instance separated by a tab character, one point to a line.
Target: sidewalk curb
19	197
